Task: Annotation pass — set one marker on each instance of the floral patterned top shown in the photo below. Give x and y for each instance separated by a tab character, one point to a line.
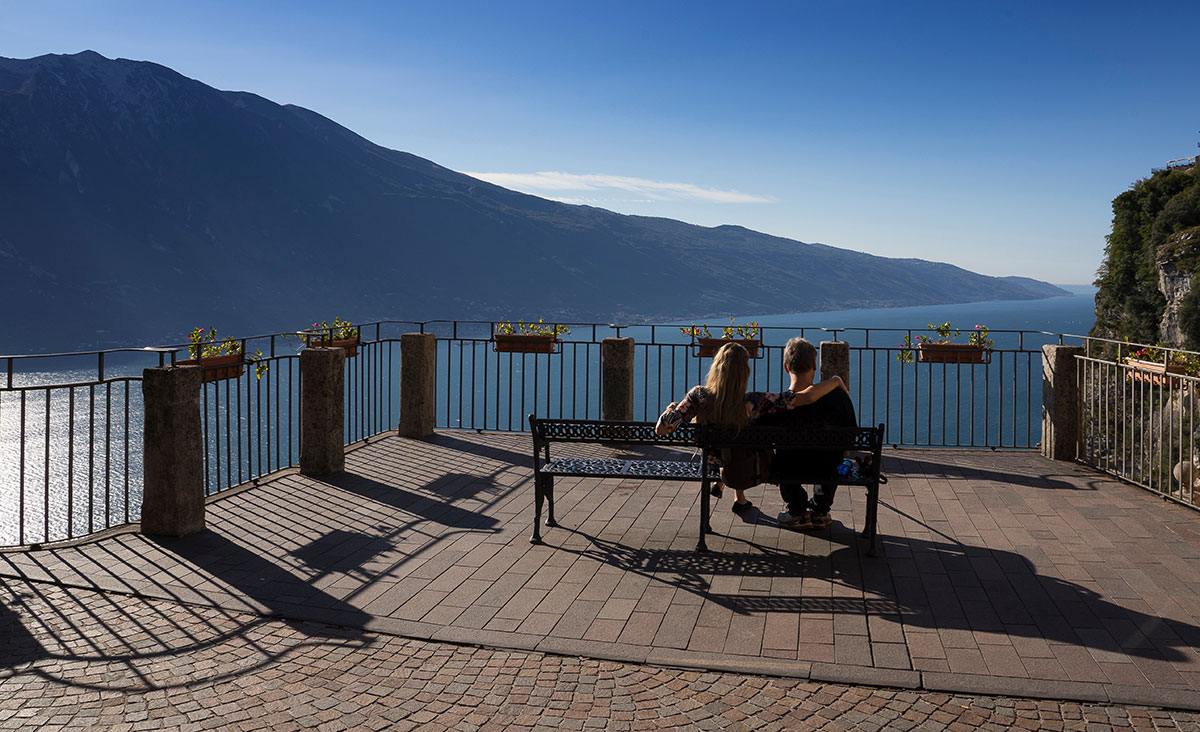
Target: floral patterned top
696	402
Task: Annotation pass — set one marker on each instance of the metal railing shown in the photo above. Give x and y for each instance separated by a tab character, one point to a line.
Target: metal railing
1139	416
70	440
994	404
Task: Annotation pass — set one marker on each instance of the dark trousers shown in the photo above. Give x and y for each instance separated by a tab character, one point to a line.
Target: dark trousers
796	498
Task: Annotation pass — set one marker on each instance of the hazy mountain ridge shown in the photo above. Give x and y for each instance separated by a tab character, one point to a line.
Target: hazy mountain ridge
140	203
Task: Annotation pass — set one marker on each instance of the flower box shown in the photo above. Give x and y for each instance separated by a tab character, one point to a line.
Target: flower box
953	353
708	347
349	344
524	343
218	368
1152	372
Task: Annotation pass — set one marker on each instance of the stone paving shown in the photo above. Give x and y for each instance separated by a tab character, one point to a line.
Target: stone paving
80	659
1003	573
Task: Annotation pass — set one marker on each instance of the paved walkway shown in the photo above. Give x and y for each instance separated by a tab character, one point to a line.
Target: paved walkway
1003	573
79	659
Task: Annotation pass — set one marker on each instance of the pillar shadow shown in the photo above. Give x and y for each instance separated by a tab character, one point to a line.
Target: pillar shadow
905	463
429	507
252	575
18	646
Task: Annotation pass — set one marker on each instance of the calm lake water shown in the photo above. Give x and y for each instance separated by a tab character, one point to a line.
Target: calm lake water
81	449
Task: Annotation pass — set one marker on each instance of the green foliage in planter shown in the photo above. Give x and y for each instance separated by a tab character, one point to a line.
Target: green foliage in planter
735	330
541	328
205	344
341	330
978	336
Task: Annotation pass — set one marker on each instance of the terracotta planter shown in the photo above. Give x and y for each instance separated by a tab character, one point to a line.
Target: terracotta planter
1152	372
350	344
218	368
953	353
523	343
708	347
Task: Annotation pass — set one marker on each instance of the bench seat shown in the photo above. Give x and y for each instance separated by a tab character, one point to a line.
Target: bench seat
608	467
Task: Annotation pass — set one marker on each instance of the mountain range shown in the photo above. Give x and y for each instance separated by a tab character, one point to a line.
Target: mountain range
136	203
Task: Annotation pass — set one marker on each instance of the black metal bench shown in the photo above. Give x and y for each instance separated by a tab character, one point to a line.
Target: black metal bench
706	438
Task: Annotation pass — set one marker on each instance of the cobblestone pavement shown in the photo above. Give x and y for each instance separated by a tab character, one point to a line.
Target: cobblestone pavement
75	659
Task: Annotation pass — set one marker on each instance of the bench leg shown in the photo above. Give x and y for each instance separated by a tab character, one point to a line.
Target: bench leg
548	489
870	532
537	510
705	527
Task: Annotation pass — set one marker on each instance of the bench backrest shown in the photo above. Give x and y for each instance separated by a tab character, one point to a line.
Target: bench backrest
709	437
605	431
712	437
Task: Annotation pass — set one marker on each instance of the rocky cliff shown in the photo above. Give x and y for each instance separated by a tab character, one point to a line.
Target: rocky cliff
1148	290
1177	262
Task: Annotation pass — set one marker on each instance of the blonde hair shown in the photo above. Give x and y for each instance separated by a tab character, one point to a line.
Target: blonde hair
727	380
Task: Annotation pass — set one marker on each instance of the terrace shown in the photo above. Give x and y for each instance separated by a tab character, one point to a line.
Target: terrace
1003	571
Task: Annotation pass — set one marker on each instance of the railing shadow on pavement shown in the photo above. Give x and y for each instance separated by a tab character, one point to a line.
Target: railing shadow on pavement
61	634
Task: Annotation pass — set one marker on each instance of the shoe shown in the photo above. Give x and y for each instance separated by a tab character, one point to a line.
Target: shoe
821	521
717	490
803	522
741	507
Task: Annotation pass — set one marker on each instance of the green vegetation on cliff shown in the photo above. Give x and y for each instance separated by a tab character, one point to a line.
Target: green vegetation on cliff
1155	235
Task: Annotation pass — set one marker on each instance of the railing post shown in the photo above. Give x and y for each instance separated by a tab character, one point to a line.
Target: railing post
418	384
322	411
835	360
1060	402
616	373
173	463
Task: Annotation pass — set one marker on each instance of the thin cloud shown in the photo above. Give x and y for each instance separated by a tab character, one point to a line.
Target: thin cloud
652	190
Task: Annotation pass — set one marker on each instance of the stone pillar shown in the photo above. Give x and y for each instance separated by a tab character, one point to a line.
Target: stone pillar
418	384
322	411
1060	402
173	452
616	369
835	360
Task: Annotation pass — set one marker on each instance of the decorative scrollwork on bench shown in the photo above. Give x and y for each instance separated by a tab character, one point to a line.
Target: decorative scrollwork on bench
572	430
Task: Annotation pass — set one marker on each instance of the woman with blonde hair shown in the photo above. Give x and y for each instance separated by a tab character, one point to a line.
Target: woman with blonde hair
723	400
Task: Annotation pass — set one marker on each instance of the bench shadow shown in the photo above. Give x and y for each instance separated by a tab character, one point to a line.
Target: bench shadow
933	585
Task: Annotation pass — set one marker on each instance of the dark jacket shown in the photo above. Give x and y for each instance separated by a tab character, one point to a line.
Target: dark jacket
832	410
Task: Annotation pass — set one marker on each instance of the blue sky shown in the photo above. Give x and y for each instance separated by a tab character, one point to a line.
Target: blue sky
993	136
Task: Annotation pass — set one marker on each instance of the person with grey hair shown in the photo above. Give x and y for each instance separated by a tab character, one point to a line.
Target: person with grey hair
833	409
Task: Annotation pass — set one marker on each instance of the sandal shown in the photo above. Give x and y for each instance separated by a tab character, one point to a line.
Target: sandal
821	521
803	522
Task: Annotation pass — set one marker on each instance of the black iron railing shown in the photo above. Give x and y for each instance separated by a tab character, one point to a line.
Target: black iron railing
71	424
1140	415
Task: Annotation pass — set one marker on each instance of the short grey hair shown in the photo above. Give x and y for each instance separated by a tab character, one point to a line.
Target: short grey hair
799	355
